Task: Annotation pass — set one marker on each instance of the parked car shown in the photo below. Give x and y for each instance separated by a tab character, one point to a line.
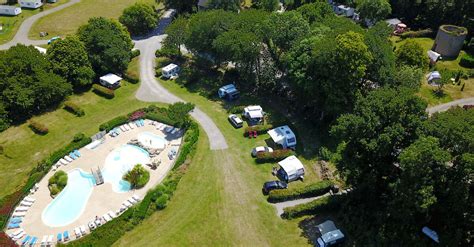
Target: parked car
235	121
261	149
273	185
53	39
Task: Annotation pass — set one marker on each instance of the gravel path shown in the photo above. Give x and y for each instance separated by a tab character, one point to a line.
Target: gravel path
21	35
152	91
281	205
445	107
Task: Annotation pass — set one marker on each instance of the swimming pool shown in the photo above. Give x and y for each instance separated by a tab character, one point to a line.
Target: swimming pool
70	203
151	140
120	161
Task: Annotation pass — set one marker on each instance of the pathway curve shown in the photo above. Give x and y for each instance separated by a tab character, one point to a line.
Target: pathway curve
21	35
446	106
152	91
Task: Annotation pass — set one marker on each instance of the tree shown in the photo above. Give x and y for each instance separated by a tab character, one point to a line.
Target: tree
267	5
69	59
108	45
139	18
382	68
374	10
408	77
137	177
180	5
176	34
228	5
283	30
4	121
411	53
316	12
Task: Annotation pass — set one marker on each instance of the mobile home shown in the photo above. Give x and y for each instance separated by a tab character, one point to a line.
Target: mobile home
9	10
31	4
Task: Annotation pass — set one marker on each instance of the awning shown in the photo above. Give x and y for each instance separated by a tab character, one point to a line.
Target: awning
291	165
255	114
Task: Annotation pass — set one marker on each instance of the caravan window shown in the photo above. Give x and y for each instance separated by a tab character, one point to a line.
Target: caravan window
291	140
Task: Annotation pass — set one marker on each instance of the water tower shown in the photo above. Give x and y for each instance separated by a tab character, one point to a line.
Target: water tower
449	40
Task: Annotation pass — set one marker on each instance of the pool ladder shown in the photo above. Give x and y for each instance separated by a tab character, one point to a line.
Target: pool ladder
99	179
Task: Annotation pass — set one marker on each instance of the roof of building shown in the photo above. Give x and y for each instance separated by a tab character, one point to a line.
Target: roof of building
169	67
291	164
254	111
326	226
332	236
433	75
203	3
281	133
8	7
111	78
229	88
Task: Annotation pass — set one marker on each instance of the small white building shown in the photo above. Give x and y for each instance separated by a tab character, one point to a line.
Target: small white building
9	10
170	70
31	4
345	10
253	113
291	169
110	80
283	136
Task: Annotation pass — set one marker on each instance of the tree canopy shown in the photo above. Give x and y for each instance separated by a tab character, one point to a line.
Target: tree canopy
374	10
228	5
411	53
139	18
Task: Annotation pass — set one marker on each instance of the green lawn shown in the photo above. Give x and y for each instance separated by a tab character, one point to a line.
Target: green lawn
23	149
66	21
219	201
12	23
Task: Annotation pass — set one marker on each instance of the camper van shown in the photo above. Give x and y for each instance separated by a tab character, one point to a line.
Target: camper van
228	92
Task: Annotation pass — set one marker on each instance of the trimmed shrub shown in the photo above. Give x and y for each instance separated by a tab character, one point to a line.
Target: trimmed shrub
261	129
74	109
107	126
467	61
103	91
189	145
78	137
325	204
312	190
275	156
135	53
417	34
38	127
162	201
131	77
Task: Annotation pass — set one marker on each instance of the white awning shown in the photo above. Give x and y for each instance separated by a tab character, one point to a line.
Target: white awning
111	78
291	165
281	134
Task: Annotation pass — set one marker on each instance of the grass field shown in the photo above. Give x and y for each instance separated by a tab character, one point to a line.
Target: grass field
219	201
23	149
66	21
12	23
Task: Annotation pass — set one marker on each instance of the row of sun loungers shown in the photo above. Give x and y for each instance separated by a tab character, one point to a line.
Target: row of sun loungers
74	155
126	127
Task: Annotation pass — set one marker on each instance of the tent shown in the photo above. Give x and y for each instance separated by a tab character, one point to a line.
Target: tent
291	169
434	56
110	80
433	77
284	136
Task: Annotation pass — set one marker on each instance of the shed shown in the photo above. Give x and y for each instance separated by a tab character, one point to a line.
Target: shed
291	169
433	77
345	10
170	70
110	80
253	113
433	56
228	92
283	136
9	10
31	4
449	40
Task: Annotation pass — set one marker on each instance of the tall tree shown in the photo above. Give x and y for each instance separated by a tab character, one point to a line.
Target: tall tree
411	53
228	5
382	68
180	5
108	45
267	5
139	18
316	12
283	30
69	59
374	10
176	34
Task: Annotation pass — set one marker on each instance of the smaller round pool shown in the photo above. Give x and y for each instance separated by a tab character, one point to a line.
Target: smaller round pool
151	140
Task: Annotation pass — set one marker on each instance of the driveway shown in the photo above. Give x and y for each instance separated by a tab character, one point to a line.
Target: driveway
152	91
445	107
21	35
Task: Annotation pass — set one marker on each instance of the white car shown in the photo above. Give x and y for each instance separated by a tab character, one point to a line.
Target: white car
261	149
235	121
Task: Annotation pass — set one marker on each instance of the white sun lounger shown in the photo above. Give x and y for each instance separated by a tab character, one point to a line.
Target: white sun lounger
107	218
122	128
112	214
63	161
21	209
174	131
69	159
91	225
19	214
136	197
126	127
43	240
83	229
131	126
77	232
50	240
131	200
127	204
26	203
18	232
158	126
19	235
29	199
163	127
98	222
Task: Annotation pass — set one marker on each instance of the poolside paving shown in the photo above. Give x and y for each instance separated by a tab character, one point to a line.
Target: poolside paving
103	198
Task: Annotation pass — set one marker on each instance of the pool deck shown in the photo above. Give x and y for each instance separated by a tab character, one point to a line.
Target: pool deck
103	198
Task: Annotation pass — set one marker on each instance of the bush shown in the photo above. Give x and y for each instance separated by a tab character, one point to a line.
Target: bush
135	53
38	127
190	142
78	137
107	126
57	182
162	201
467	61
325	153
275	156
236	109
74	109
417	34
261	129
322	205
312	190
103	91
137	177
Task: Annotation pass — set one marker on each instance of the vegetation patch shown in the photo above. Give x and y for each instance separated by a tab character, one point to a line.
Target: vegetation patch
322	205
57	182
275	156
417	34
74	108
38	127
260	129
109	125
312	190
137	177
103	91
467	61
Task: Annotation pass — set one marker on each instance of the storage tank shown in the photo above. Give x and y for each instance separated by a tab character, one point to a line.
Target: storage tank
449	40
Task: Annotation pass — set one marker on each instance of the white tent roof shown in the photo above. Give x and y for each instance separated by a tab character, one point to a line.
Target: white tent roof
111	78
41	49
169	67
433	55
281	133
291	164
433	75
254	111
393	21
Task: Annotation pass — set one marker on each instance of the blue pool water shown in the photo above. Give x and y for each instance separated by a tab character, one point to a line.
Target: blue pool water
120	161
151	140
70	203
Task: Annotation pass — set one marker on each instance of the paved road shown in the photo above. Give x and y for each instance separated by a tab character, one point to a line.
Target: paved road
281	205
152	91
445	107
22	34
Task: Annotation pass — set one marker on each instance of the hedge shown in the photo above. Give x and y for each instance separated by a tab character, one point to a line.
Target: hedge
75	144
322	205
109	125
417	34
38	127
275	156
74	109
132	78
312	190
261	129
467	61
103	91
189	144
